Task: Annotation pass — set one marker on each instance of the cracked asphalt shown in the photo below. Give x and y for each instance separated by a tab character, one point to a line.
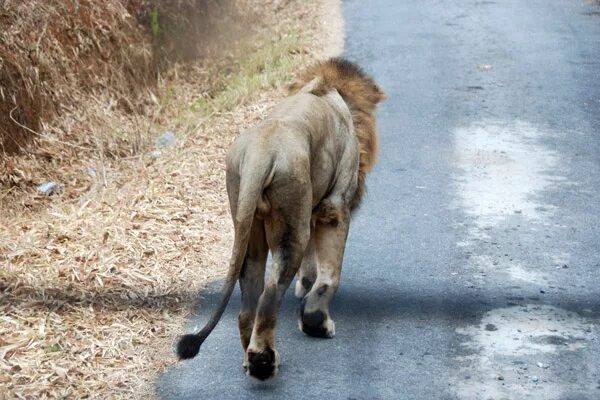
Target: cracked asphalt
472	269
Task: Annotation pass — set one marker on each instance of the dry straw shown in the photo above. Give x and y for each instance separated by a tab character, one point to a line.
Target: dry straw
95	283
53	53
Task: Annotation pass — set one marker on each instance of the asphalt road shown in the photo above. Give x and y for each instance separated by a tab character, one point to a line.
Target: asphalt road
472	270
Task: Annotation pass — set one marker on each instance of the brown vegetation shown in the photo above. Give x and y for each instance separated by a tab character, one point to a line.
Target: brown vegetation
95	282
55	52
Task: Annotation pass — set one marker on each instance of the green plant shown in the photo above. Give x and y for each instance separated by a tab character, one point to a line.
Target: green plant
263	68
154	23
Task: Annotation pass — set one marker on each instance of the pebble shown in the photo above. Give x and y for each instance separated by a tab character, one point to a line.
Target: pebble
50	188
155	154
535	378
166	140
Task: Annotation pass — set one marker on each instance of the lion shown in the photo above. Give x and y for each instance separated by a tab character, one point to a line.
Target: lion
293	182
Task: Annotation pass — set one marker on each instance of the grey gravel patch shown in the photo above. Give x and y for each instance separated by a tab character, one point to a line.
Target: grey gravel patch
503	166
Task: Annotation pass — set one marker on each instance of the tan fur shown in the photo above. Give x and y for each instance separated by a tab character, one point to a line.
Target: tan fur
292	182
361	94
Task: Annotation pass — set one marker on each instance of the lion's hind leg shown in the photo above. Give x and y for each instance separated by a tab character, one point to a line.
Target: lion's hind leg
330	241
287	232
252	283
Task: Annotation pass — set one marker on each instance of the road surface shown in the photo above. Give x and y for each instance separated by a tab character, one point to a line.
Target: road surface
473	269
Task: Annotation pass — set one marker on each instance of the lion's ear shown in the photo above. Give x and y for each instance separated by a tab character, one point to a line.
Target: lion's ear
316	86
294	87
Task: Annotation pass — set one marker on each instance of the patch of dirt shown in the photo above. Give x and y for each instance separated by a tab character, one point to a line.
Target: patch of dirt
332	22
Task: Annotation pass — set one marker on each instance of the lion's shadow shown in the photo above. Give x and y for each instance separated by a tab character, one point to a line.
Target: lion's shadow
369	302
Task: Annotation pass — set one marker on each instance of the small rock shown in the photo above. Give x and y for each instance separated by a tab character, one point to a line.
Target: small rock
166	140
500	377
50	188
565	266
155	154
541	365
91	172
535	378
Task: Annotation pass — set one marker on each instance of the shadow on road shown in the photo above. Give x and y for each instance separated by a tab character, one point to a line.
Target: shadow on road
352	302
356	302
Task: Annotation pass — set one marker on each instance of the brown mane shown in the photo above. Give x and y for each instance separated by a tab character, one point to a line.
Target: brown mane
361	94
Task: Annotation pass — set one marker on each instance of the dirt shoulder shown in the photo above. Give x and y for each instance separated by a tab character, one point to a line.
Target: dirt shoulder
95	283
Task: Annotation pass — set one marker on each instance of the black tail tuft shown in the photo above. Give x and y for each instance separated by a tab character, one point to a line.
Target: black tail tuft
188	346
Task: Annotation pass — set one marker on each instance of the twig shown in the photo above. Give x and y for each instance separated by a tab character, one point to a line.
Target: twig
41	135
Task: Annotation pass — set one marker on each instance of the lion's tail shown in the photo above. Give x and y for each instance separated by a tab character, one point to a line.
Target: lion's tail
251	187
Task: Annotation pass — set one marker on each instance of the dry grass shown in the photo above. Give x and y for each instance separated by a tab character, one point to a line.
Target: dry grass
56	52
95	283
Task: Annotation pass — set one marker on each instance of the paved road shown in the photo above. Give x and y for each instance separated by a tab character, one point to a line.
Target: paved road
472	270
